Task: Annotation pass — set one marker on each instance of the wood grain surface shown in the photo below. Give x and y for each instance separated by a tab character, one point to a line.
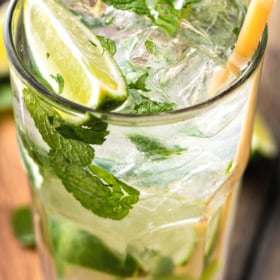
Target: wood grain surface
255	247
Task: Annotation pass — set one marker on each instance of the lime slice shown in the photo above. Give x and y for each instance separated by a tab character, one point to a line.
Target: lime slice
70	58
263	143
3	56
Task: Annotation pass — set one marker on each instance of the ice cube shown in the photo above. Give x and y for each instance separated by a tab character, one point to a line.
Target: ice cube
155	48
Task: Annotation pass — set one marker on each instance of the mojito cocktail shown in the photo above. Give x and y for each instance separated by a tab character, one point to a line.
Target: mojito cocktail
134	163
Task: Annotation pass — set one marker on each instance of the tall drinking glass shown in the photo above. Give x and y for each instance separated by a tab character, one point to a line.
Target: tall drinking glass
130	196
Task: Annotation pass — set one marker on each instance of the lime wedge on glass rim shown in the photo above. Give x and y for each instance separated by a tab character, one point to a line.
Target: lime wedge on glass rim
70	58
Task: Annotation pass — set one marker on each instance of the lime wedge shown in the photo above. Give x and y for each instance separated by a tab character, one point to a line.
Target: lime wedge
3	56
70	58
263	143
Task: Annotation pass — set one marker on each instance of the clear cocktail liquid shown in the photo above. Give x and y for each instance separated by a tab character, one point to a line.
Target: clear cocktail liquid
185	173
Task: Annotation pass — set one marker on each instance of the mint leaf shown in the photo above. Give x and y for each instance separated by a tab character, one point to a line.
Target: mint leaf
78	247
92	131
110	20
22	225
46	120
168	16
229	168
73	151
148	106
104	196
70	157
236	31
127	196
153	148
108	44
163	13
140	84
190	2
60	82
151	47
137	6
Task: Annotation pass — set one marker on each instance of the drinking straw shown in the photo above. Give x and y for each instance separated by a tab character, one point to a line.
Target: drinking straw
246	45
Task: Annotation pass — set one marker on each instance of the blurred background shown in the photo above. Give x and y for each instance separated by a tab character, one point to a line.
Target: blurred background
255	244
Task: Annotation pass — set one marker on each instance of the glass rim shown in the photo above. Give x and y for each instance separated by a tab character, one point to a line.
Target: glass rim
125	119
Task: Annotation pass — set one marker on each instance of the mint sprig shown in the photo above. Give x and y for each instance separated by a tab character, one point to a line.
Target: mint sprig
70	156
148	106
164	13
